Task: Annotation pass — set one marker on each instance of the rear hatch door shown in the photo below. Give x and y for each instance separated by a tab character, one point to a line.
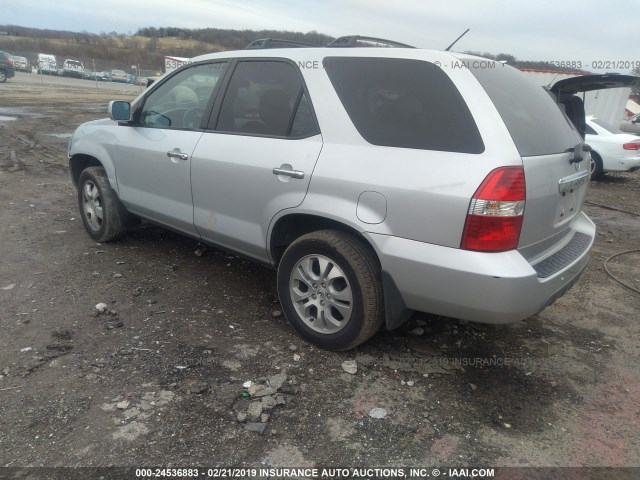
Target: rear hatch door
587	83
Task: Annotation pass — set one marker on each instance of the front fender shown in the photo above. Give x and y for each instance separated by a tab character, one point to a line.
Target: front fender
95	140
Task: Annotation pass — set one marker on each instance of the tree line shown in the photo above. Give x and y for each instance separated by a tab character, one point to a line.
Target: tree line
148	45
232	39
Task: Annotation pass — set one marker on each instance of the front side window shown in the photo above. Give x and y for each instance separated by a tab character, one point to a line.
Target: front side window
180	102
404	103
266	98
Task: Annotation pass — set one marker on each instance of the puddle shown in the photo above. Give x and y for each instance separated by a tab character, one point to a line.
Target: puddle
13	110
12	113
59	135
7	119
91	107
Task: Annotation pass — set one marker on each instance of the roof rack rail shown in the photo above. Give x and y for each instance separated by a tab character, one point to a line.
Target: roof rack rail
276	43
351	41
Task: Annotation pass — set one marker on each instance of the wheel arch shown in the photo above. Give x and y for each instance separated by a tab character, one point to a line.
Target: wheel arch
293	225
78	163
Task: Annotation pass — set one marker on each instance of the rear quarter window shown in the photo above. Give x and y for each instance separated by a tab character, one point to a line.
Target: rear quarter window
404	103
535	122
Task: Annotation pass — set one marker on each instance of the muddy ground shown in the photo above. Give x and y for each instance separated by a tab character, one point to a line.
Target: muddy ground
158	378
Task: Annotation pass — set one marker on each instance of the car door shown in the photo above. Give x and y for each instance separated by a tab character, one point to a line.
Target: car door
258	157
153	153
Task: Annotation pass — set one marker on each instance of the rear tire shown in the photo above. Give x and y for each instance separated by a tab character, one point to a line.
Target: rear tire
330	289
597	171
103	215
3	76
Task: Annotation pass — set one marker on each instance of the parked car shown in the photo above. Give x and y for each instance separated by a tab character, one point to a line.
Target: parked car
100	76
612	149
21	64
119	76
72	68
47	64
378	181
631	124
6	66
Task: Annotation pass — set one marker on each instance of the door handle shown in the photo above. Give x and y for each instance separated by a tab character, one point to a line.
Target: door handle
288	172
175	153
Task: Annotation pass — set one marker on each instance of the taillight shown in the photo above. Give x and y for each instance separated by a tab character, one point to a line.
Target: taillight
631	146
10	61
494	219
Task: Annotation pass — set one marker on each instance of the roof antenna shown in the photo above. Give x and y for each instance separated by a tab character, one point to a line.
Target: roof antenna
456	40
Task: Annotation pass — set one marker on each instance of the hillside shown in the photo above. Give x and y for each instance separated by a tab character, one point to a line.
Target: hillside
147	47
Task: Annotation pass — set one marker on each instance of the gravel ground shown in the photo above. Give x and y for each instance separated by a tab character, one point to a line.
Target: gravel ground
159	377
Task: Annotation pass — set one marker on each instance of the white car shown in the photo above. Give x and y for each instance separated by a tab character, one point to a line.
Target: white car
119	76
612	149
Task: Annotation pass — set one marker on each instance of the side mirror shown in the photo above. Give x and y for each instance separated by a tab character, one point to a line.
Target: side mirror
119	111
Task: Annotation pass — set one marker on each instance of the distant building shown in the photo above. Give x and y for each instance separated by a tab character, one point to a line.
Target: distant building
632	107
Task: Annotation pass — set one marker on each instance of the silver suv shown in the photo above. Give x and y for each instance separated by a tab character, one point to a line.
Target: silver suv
378	181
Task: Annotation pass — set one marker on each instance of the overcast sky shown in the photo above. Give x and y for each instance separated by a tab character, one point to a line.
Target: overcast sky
575	30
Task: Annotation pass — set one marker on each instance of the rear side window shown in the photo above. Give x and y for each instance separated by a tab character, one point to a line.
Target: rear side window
536	124
404	103
266	98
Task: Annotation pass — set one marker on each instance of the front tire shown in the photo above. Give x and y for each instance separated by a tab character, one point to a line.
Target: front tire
330	289
3	76
103	215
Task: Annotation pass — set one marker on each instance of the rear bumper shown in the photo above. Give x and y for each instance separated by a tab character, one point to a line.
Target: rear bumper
482	287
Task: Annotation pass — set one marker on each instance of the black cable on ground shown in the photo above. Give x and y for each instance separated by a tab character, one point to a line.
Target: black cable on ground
607	207
606	269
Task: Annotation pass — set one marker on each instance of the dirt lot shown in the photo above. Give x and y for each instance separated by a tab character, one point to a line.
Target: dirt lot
158	378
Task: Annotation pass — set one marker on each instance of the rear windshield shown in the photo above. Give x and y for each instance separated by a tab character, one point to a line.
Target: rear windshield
404	103
535	122
606	125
